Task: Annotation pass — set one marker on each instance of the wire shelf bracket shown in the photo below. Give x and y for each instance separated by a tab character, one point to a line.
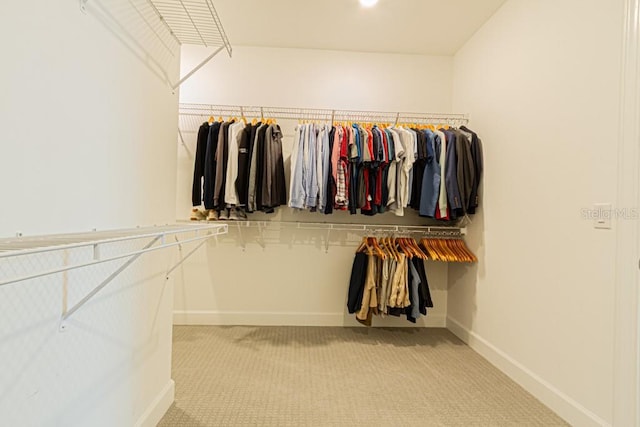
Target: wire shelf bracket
159	27
158	241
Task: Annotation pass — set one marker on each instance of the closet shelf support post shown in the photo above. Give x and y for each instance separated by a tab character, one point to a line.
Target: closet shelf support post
243	243
184	258
200	65
326	243
105	282
261	242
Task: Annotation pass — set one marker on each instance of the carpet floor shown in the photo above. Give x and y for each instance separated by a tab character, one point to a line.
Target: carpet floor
310	376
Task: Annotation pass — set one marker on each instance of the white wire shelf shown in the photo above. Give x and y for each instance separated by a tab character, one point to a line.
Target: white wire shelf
259	230
17	246
157	29
193	115
15	250
426	230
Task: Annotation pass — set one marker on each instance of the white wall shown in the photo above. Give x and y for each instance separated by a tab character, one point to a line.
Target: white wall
88	141
540	81
297	283
87	129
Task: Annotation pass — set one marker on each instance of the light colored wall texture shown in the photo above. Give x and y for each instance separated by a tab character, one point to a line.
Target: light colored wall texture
88	141
293	280
540	81
88	131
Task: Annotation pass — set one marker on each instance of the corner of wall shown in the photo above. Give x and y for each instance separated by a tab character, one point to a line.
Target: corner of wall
158	407
563	405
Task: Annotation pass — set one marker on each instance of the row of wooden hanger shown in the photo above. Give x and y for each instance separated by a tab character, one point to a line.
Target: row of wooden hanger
435	249
244	119
369	125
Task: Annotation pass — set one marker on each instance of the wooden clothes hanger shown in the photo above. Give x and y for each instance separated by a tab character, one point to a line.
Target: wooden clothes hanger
417	249
363	245
377	248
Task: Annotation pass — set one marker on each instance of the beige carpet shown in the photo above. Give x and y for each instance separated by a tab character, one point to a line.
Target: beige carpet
294	376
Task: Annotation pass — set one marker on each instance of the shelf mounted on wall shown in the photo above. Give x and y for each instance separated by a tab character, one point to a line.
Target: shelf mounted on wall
23	249
360	230
155	30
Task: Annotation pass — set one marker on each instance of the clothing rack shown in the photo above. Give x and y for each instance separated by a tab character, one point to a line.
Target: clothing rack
372	230
191	116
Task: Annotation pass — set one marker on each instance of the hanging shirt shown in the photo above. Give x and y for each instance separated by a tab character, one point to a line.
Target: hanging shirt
253	169
230	193
261	147
431	179
326	161
465	169
391	172
296	187
341	171
273	191
414	299
401	179
369	296
330	186
242	180
414	155
311	174
210	165
451	176
199	164
320	166
221	159
442	198
476	155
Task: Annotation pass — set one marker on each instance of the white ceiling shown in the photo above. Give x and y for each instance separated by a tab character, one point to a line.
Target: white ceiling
432	27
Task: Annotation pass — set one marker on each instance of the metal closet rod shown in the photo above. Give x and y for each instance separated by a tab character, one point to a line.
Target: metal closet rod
320	114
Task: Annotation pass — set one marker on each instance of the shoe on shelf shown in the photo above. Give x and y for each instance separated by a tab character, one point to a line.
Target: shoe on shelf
223	215
213	215
242	216
233	214
198	215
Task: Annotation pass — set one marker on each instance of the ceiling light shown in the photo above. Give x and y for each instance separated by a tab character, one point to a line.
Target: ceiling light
368	3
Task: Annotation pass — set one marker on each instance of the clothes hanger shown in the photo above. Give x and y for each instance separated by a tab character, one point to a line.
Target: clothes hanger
211	120
425	245
387	244
433	252
470	255
383	246
377	248
455	251
425	248
417	249
405	248
363	245
451	255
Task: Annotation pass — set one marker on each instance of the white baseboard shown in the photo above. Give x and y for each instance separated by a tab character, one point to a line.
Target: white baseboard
567	408
227	318
156	410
